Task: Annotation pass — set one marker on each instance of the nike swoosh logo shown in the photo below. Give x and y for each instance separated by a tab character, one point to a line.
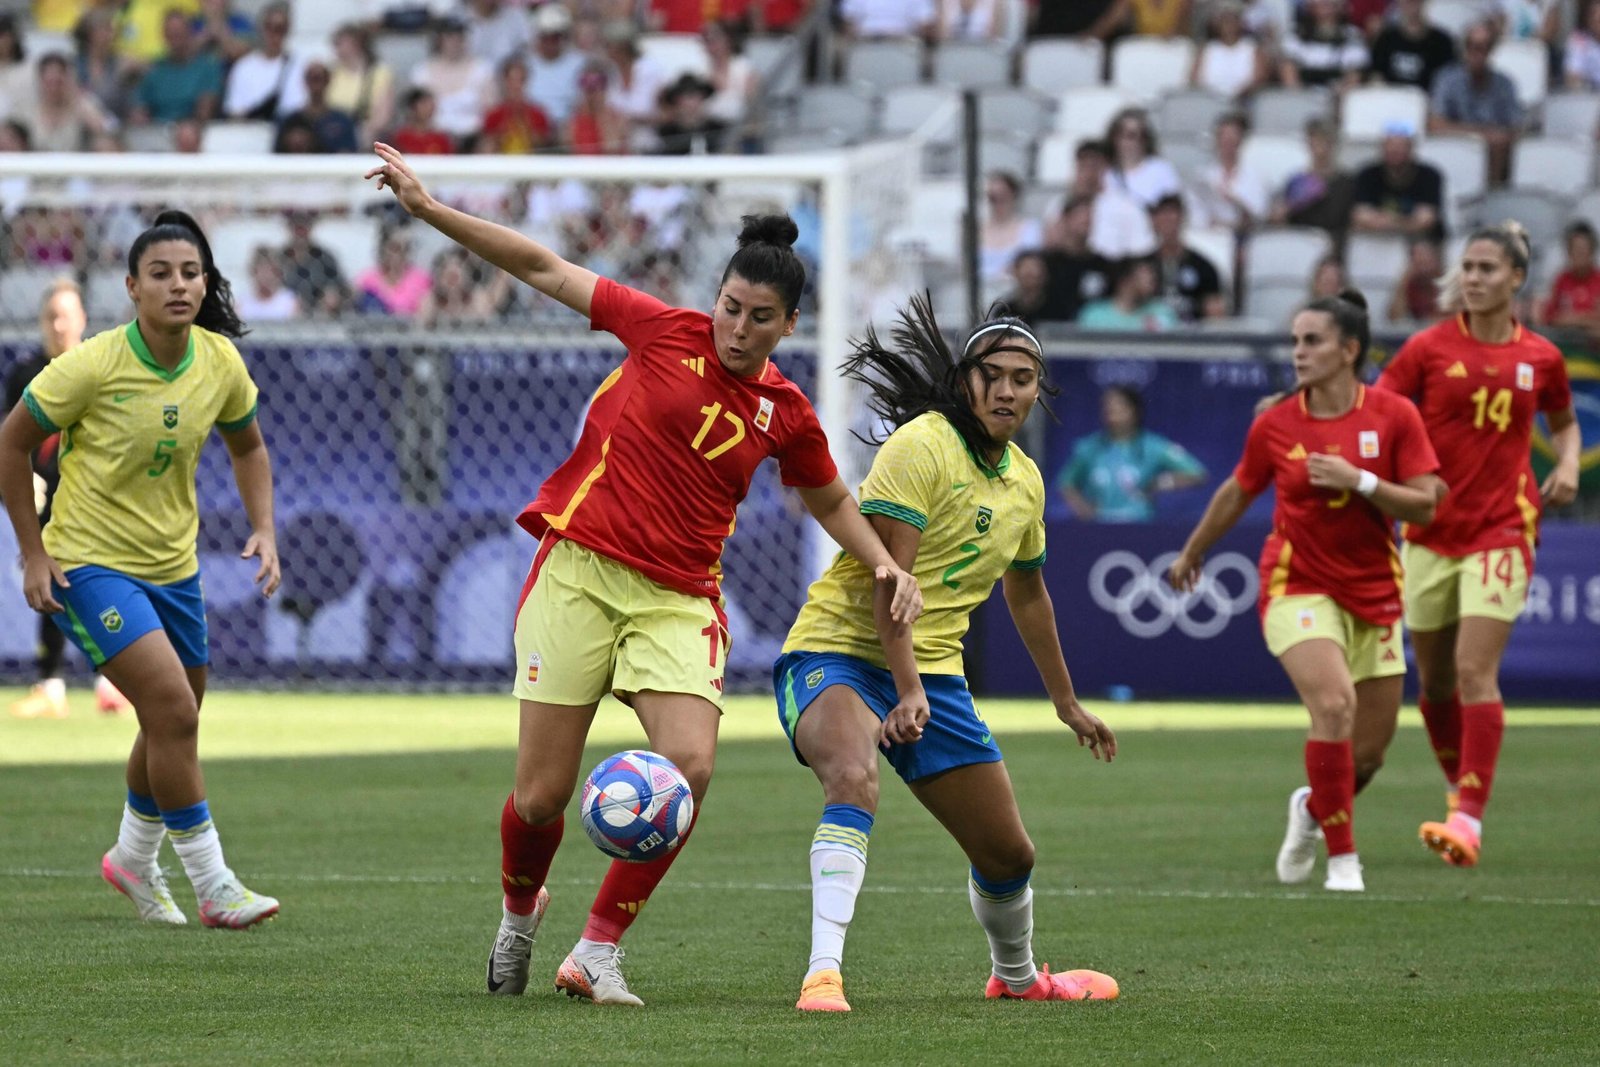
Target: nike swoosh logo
985	739
117	398
826	872
956	488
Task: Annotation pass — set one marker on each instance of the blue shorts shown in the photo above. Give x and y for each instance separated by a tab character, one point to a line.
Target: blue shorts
107	611
955	735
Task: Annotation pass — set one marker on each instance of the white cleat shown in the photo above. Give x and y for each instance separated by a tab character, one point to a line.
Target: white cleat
1344	874
513	949
1300	842
148	891
230	906
594	975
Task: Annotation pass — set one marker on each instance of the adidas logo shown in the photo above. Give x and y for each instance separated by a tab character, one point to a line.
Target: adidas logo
1297	452
1457	370
632	906
1388	655
517	879
1338	818
1494	598
696	364
1470	781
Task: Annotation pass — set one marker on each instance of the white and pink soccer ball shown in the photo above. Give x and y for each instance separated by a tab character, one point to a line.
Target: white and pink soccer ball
636	806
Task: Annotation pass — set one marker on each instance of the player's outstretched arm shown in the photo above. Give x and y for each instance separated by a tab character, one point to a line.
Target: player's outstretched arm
1034	614
1228	504
519	256
252	472
19	437
837	512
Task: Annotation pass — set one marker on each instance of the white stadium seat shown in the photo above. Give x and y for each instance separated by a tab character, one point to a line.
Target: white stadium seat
1553	164
1368	109
1052	65
1087	112
1276	157
1527	64
1146	67
1286	254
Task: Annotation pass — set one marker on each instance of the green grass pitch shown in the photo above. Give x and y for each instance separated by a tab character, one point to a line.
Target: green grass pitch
374	818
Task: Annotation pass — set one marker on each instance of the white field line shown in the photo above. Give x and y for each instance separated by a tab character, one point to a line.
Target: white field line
938	890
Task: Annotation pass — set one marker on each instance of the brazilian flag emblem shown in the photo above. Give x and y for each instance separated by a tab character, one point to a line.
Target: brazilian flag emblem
169	416
985	517
814	679
111	619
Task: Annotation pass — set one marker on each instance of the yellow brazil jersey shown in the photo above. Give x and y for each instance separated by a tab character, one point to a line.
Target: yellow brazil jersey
131	433
974	526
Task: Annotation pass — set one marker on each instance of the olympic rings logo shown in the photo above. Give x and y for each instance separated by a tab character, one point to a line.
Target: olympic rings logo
1139	596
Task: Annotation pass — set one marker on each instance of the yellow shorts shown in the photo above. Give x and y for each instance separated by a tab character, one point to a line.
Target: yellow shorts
1370	651
588	625
1441	590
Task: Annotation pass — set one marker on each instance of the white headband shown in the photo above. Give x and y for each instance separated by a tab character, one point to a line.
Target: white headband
1023	330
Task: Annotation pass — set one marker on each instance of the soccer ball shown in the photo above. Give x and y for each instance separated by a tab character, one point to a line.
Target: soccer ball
636	806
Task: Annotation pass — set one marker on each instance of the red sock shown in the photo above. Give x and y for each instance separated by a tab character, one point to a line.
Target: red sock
626	888
1331	771
525	855
1481	728
1443	720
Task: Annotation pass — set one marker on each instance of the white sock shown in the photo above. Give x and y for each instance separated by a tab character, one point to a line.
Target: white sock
585	947
836	877
201	854
139	839
1009	924
520	923
54	688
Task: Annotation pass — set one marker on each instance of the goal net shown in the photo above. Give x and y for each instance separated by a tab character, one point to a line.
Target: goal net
414	398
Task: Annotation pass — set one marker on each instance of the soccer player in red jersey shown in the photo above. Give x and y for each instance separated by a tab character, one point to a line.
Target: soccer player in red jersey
1345	460
623	595
1479	380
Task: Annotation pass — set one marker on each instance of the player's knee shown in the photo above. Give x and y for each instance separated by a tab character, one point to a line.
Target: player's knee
169	713
1008	860
851	782
696	769
1333	711
539	805
1478	681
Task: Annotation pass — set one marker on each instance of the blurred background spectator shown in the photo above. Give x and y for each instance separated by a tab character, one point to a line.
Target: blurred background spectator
331	130
880	19
60	117
182	84
515	126
1324	48
395	285
1581	69
311	271
1162	18
1227	193
267	82
461	83
1574	300
1029	296
358	84
100	70
1185	279
1231	62
222	32
1410	50
457	296
1075	274
265	298
635	82
1121	224
1114	475
687	127
1004	231
1323	194
1416	293
1136	166
1133	305
972	20
734	83
1329	279
596	127
1472	97
1099	19
496	30
1398	194
554	65
417	133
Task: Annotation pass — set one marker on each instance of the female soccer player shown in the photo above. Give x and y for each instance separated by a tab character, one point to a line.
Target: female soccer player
116	567
1345	460
623	593
61	324
1480	379
960	506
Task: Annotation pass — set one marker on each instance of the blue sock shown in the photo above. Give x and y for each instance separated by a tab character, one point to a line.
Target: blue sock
144	807
999	890
186	822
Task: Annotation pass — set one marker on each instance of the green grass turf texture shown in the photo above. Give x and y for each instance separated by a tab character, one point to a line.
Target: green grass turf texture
374	818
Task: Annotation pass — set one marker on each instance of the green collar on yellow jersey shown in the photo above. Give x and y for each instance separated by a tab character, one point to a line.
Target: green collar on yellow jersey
988	472
142	350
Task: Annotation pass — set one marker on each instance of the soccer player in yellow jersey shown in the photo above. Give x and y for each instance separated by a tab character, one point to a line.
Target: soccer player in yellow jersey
960	506
116	568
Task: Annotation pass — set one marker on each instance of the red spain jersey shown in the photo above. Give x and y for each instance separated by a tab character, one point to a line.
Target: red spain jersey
1478	402
669	446
1330	541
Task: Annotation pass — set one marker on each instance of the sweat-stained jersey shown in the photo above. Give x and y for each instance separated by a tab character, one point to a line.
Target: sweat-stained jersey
131	434
669	446
974	526
1478	402
1331	541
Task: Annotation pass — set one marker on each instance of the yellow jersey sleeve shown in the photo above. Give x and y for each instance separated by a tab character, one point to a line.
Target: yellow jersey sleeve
239	391
1031	552
905	476
61	393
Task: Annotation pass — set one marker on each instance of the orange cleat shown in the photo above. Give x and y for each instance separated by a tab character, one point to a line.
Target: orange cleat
44	701
823	991
1068	985
1456	842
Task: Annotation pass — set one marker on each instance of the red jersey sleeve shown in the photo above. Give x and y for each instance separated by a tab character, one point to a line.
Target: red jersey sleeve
804	461
1556	392
1403	373
1414	454
634	318
1254	472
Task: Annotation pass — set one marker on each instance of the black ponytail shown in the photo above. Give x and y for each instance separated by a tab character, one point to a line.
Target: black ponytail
920	374
1348	311
216	307
766	256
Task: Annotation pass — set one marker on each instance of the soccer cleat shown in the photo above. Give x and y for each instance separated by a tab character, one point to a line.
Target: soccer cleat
1068	985
230	906
1456	842
594	975
513	950
823	991
108	698
1344	874
148	891
1298	853
44	701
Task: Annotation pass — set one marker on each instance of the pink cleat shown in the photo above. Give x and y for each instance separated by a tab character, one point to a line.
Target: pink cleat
1456	842
1068	985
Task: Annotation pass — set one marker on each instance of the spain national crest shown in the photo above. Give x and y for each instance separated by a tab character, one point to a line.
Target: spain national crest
985	517
111	619
169	416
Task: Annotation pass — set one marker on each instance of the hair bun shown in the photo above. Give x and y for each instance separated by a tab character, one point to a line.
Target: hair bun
769	230
1353	296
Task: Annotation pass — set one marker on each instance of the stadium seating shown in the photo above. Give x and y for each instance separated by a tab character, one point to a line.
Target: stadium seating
1054	65
1146	67
352	240
1544	214
1368	109
1087	112
1375	261
1188	112
1022	112
883	64
1556	165
972	64
1285	254
1527	64
1572	115
238	138
779	64
1054	159
1462	159
20	288
934	109
234	240
1287	111
1274	303
846	110
1275	157
1014	155
675	53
